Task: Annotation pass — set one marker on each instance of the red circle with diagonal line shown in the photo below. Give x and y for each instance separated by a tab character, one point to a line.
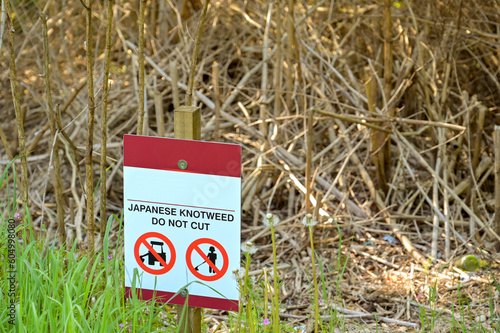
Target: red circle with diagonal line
195	246
142	241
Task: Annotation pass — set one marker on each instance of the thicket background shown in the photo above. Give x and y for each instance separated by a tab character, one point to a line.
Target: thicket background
384	111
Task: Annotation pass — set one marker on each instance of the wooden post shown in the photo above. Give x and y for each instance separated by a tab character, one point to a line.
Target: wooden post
187	125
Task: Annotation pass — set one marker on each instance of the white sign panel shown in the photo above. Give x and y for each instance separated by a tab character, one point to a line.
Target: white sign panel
182	220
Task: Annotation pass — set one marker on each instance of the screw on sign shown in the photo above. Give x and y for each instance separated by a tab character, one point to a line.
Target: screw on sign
211	259
155	253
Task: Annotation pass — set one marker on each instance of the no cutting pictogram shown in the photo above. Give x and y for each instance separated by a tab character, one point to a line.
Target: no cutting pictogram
150	258
210	259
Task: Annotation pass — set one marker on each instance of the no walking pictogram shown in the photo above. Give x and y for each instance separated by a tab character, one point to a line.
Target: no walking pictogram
156	253
211	258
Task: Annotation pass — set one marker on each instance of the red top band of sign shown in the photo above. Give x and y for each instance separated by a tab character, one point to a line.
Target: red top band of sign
212	158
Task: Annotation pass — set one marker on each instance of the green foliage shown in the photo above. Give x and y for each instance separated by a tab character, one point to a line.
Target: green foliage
58	291
470	263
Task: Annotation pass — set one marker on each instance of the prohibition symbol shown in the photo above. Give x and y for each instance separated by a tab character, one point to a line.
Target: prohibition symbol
210	259
153	255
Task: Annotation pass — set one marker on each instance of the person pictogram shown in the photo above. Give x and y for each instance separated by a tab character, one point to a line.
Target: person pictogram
216	253
212	256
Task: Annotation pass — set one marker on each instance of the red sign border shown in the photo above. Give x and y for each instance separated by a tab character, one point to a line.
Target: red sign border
170	246
222	250
193	300
211	158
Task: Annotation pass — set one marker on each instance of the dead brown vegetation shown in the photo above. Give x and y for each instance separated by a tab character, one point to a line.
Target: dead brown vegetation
403	95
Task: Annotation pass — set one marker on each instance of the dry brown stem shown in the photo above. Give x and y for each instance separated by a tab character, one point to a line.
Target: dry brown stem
89	172
142	86
194	59
175	81
290	55
17	106
104	117
278	67
309	157
497	179
216	84
51	115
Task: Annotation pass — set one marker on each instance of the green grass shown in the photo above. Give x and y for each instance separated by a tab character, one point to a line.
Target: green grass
58	291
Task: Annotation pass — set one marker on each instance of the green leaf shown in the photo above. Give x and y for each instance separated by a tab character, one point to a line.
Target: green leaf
468	263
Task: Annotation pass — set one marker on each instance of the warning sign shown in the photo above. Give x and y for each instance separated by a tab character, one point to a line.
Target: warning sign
182	220
154	256
214	268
